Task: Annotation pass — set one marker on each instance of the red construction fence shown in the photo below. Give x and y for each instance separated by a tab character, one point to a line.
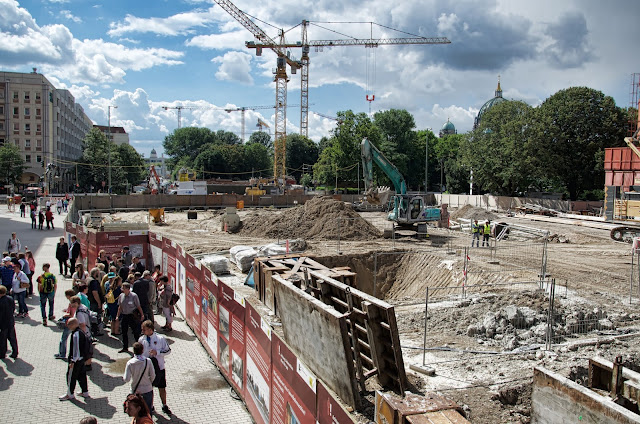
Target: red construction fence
274	384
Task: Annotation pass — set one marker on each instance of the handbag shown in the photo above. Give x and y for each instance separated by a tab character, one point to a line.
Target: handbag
24	285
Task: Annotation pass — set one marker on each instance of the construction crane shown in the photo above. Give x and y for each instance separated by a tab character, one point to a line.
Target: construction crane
320	44
179	109
262	124
281	80
243	109
333	118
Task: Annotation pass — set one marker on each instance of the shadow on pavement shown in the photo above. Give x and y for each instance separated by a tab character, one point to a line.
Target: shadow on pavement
5	380
175	334
161	419
98	407
105	381
19	367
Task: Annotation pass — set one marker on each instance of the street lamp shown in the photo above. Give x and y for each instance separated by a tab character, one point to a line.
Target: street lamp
109	140
426	163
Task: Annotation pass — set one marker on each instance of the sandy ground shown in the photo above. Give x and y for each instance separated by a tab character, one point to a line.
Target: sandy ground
484	344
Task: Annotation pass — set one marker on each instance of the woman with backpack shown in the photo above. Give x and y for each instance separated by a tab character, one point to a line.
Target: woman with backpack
113	288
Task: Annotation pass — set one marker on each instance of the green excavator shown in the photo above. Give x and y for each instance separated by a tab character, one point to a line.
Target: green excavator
405	209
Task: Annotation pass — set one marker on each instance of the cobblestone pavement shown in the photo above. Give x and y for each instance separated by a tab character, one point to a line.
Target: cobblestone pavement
30	385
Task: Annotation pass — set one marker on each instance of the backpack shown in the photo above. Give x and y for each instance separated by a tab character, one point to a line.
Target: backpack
48	282
110	297
93	316
174	299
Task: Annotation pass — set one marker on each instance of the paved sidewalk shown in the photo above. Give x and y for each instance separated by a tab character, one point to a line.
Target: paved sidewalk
196	391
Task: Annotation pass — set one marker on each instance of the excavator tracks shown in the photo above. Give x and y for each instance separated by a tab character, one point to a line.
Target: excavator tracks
625	233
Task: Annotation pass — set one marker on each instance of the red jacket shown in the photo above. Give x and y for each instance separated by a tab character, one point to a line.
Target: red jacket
49	215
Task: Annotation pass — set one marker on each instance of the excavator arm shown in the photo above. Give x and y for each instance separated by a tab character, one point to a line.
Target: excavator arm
371	154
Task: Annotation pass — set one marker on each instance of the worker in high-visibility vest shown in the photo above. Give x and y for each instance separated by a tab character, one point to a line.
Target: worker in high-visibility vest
486	232
475	230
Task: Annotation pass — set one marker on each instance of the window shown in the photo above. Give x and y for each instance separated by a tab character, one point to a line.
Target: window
38	112
27	127
2	94
27	144
27	158
1	141
17	142
16	112
37	97
38	144
38	158
1	110
1	125
16	128
26	95
39	129
27	111
15	95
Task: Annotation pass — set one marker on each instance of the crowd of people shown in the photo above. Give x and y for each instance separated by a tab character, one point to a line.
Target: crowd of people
42	215
117	293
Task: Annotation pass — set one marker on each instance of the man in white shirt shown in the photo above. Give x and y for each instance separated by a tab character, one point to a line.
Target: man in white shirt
141	373
155	348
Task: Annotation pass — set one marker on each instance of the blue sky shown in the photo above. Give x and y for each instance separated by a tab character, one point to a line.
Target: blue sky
145	54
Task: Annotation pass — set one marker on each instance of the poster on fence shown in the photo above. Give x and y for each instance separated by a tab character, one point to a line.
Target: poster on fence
293	389
231	347
209	316
181	283
329	409
193	302
258	370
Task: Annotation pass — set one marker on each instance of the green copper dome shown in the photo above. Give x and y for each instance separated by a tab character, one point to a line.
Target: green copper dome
489	104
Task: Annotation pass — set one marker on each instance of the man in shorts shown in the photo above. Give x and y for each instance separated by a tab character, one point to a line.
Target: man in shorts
155	348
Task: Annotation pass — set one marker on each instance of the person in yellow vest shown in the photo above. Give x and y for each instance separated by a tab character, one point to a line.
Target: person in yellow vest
486	232
475	230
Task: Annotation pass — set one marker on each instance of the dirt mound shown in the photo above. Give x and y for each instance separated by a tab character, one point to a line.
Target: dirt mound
472	212
317	219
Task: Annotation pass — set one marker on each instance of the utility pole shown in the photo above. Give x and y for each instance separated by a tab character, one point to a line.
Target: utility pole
109	140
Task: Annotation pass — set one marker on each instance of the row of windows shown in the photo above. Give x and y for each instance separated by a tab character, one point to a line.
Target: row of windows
26	95
27	112
27	158
27	127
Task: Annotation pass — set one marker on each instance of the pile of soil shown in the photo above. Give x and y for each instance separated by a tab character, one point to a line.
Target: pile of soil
316	219
472	212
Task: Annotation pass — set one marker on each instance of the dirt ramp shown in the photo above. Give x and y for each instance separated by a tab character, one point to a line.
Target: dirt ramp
319	218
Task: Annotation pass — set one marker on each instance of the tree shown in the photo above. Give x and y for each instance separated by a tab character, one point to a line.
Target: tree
261	137
11	164
454	176
185	144
257	158
132	164
301	151
94	163
571	129
306	180
499	151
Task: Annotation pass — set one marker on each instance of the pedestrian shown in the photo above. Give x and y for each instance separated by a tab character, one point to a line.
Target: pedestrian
13	245
70	312
83	315
6	272
7	325
40	219
47	204
114	262
19	289
78	351
62	255
486	232
475	231
79	277
89	420
167	293
83	290
24	264
113	293
128	303
102	259
47	286
74	252
123	271
156	348
59	206
49	217
137	266
34	217
23	210
65	204
145	288
126	256
32	267
135	407
140	371
96	298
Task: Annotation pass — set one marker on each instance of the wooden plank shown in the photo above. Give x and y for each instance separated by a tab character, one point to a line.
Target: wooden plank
395	345
374	334
346	342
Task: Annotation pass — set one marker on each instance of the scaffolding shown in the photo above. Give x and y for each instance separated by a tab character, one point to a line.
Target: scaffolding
634	103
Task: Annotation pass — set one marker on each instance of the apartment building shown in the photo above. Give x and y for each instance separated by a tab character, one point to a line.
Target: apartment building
46	124
116	134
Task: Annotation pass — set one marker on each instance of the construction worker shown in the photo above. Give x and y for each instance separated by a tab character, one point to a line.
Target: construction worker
475	230
486	232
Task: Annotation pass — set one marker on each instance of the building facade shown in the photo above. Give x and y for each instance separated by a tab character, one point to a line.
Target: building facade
158	162
47	125
116	134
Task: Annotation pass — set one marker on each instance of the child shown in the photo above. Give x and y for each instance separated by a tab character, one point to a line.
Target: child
40	219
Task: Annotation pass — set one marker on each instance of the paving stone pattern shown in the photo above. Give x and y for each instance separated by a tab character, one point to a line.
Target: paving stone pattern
30	385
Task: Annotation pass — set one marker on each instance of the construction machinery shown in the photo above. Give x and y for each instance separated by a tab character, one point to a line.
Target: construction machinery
154	180
157	216
626	208
185	174
404	209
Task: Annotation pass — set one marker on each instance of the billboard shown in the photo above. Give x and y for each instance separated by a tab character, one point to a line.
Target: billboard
231	347
258	369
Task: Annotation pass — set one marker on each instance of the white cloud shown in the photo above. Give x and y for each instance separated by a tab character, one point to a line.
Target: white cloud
222	41
70	16
234	66
179	24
